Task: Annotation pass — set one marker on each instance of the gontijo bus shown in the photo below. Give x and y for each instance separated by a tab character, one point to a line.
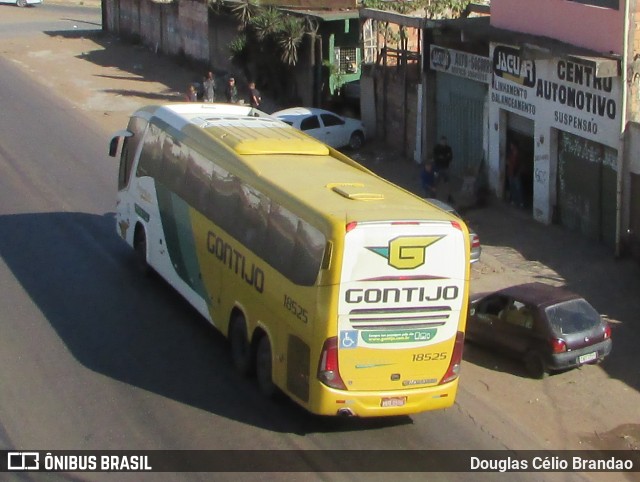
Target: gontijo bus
332	285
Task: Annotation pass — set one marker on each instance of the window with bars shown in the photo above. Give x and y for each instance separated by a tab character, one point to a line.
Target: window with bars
347	60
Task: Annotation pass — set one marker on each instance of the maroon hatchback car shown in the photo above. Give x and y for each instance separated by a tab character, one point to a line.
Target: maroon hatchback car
549	328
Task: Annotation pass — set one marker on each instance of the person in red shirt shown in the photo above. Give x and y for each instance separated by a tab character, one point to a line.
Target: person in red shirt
513	174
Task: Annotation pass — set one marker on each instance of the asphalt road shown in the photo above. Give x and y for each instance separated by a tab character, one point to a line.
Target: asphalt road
48	17
92	356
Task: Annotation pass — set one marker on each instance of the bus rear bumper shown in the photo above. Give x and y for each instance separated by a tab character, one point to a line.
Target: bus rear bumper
384	404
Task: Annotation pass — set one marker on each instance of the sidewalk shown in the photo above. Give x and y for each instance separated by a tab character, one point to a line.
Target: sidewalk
597	406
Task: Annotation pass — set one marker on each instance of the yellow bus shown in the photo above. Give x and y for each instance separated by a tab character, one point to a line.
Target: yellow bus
332	285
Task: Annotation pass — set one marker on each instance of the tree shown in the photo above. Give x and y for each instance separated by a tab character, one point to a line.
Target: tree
267	45
433	9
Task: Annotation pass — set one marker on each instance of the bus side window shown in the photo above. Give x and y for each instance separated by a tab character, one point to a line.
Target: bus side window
224	201
197	181
308	253
151	154
174	165
254	218
129	150
281	239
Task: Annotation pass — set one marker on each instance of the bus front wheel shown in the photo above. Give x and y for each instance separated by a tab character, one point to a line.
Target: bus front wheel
140	249
264	368
356	140
240	347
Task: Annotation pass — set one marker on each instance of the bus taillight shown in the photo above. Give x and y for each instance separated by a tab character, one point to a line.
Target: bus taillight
328	369
456	360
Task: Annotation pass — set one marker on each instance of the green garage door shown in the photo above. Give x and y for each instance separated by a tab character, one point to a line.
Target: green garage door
459	116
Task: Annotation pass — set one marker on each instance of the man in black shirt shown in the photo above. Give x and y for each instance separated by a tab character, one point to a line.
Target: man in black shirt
442	155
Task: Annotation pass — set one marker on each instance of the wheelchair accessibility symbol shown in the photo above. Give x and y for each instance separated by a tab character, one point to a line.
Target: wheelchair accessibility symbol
349	339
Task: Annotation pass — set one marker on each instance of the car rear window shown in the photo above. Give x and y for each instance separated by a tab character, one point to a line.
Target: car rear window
310	123
572	316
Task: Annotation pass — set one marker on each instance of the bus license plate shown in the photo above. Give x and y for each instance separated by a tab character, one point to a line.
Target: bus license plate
588	357
393	401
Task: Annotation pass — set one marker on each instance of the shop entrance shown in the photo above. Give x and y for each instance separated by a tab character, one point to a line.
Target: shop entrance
520	165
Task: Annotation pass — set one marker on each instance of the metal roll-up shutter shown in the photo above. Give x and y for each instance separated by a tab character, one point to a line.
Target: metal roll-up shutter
460	107
587	187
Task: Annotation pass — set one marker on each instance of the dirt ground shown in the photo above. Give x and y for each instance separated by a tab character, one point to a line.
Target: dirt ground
595	407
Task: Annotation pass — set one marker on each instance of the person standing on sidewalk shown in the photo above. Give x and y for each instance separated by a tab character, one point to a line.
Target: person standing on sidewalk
231	91
254	95
191	95
443	155
513	174
428	179
209	88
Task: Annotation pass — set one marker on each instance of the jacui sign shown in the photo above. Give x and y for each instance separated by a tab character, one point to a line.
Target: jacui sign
563	92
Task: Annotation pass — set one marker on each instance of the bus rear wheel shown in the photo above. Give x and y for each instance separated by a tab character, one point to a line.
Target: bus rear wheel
264	368
240	347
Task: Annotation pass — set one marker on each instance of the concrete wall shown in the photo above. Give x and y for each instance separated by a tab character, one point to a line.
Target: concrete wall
599	29
193	22
222	29
173	29
633	147
396	108
150	27
633	70
171	42
129	21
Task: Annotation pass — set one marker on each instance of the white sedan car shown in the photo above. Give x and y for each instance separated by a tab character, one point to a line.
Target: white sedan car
330	128
22	3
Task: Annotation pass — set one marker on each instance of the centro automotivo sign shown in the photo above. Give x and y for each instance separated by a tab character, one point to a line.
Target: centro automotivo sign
564	92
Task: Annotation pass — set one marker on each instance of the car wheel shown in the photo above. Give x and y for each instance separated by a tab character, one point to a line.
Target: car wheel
140	249
535	365
240	347
264	368
21	3
356	140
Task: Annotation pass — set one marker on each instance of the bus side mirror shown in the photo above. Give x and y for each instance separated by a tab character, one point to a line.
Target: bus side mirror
113	146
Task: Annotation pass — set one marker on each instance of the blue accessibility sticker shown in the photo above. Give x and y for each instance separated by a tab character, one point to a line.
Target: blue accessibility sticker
349	339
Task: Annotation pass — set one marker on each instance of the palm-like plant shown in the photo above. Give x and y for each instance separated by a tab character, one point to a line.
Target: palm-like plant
216	5
266	22
244	11
237	48
238	44
290	38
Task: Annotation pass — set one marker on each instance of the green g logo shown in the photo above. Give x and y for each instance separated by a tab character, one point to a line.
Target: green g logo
406	252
